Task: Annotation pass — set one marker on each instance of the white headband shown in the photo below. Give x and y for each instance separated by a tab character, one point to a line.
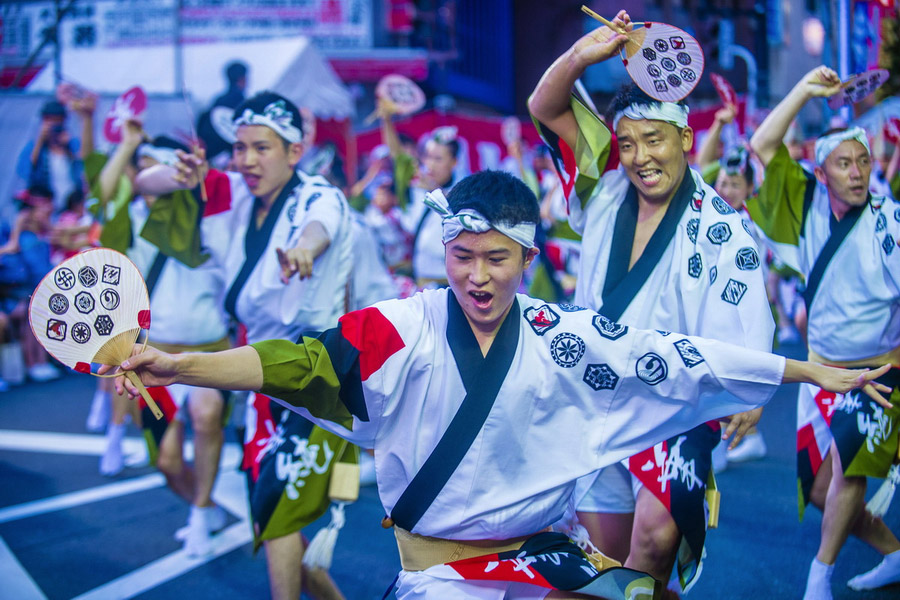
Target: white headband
826	144
160	154
472	220
276	116
676	114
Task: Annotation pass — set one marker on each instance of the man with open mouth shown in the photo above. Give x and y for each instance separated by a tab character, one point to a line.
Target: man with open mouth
660	250
485	406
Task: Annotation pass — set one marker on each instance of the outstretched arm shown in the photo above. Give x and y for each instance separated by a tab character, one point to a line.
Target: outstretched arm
299	260
549	103
237	369
837	380
820	82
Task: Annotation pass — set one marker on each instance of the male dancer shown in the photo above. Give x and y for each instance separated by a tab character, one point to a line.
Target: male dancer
263	225
660	250
484	406
829	227
187	315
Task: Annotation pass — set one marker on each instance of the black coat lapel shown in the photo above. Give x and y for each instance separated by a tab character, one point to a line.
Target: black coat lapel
622	285
255	242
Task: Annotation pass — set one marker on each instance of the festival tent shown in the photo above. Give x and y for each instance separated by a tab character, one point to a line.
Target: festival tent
292	67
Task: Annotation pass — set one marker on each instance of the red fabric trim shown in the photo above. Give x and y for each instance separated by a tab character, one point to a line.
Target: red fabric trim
83	367
144	319
806	440
651	477
825	401
373	335
165	401
218	192
265	427
505	570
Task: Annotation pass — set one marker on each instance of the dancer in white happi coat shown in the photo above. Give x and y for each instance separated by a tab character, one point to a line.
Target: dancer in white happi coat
660	250
830	228
484	406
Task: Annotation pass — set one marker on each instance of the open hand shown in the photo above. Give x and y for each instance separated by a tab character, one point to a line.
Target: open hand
842	381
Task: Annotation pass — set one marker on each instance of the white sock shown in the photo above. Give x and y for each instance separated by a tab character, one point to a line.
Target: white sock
818	584
885	573
98	416
112	462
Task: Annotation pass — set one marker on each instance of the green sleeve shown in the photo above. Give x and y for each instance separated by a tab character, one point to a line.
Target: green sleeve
404	171
173	226
592	149
303	375
358	202
778	209
116	232
895	186
710	173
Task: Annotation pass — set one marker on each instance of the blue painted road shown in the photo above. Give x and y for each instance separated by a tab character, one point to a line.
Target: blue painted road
68	532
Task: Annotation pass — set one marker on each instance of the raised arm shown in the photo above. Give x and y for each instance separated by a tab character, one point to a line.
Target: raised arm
385	110
132	135
707	154
85	107
549	103
820	82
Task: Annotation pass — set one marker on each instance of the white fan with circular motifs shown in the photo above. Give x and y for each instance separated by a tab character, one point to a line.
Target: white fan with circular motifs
90	310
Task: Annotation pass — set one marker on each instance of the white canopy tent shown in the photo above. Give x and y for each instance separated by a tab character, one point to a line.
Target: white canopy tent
293	67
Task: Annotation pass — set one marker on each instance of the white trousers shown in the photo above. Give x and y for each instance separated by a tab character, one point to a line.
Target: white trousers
418	585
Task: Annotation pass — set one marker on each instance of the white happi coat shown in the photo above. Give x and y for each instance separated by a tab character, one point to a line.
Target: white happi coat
854	314
580	393
266	306
708	282
856	311
186	304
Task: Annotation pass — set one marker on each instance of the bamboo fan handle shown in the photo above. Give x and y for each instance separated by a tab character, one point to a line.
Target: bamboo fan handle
594	15
154	408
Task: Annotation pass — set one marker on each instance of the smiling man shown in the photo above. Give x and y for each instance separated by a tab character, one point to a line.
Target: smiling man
484	406
828	227
660	250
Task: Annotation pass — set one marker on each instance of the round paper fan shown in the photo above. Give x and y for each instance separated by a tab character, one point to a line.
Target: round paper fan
858	87
129	105
402	92
664	61
90	310
724	89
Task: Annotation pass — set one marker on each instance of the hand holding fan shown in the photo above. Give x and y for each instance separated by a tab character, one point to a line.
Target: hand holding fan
90	310
858	87
662	60
129	105
401	93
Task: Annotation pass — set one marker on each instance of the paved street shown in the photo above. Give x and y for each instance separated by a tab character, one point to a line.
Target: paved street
67	532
